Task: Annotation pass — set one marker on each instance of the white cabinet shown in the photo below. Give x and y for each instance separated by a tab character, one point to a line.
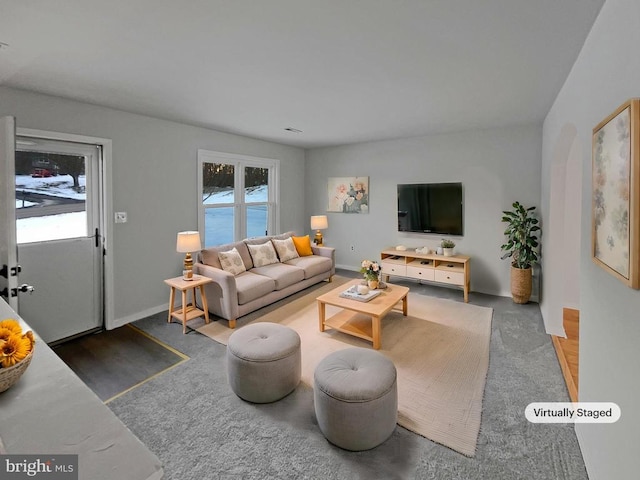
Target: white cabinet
394	268
421	270
428	267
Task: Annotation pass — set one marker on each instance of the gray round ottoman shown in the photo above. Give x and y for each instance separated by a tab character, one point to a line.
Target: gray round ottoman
356	398
263	362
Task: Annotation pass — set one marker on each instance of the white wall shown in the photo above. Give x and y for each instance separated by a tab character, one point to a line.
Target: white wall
154	180
606	74
496	167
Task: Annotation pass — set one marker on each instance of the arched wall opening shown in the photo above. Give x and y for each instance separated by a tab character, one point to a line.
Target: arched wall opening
561	243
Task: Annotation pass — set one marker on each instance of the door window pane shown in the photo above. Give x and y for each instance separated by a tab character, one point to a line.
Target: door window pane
218	226
217	183
51	197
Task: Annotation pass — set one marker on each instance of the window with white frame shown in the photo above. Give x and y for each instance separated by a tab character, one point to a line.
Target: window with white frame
237	197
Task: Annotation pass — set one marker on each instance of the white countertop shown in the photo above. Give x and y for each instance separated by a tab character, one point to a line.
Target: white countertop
51	411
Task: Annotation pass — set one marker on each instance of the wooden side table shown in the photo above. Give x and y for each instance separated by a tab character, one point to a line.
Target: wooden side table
188	311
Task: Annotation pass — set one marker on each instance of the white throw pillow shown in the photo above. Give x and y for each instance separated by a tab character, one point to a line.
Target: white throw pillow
285	248
263	254
231	262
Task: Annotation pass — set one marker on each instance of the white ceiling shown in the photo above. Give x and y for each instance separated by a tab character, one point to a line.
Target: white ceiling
342	71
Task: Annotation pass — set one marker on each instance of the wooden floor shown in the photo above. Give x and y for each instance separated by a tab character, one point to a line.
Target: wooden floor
115	361
567	350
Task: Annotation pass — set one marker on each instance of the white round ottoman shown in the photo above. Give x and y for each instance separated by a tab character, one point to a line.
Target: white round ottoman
263	362
356	398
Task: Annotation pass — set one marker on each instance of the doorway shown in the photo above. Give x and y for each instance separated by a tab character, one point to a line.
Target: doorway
59	214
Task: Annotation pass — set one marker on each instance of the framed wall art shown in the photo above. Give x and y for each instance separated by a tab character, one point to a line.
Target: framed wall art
348	194
615	211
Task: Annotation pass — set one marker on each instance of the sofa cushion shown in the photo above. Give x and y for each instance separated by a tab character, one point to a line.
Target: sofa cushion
303	245
231	261
282	274
261	240
263	254
251	286
312	265
285	248
209	256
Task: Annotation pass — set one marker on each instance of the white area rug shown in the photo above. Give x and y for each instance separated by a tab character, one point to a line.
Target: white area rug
440	350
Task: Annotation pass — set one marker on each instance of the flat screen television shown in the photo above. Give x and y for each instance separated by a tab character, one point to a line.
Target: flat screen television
430	208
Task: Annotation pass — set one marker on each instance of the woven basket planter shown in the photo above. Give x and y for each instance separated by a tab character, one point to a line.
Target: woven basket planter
521	282
9	376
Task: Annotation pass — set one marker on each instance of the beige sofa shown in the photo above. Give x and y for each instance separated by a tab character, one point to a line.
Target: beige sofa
233	296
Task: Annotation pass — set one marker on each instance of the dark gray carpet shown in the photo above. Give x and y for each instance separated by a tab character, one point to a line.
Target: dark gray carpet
199	429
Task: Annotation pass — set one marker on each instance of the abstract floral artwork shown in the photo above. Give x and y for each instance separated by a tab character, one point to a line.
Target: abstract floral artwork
348	194
615	196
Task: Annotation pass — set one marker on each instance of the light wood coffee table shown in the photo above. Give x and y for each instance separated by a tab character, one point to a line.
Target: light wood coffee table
360	319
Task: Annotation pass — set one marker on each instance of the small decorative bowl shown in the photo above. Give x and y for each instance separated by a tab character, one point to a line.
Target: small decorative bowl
9	376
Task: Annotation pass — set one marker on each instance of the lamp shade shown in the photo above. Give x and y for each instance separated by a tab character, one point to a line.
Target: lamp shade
319	222
188	242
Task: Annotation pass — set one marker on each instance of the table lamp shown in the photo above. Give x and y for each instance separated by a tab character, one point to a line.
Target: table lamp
319	222
188	242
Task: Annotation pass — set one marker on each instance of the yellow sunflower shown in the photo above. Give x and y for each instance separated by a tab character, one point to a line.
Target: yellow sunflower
14	350
5	333
30	338
12	325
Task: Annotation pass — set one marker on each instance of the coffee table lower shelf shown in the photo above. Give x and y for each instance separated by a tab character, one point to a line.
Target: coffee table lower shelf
352	323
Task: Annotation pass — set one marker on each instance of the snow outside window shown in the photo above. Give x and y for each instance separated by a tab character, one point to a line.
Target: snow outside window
236	197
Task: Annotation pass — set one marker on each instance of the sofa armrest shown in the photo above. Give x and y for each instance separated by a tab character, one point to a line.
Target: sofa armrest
328	252
222	295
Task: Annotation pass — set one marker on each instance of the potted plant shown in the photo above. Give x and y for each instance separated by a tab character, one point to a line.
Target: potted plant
371	271
447	247
522	246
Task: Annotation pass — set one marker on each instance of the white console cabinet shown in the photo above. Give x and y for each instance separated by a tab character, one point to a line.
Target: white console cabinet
408	263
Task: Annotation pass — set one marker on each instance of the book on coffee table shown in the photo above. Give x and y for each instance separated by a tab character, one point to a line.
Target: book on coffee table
352	293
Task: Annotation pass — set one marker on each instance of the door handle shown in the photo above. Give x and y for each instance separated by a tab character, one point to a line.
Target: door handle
26	288
14	291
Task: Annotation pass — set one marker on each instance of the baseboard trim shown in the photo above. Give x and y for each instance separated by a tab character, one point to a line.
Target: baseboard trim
348	267
119	322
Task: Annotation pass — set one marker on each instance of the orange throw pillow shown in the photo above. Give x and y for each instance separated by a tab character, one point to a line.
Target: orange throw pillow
303	245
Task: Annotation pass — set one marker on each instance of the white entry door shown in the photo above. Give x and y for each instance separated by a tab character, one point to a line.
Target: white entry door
58	217
50	215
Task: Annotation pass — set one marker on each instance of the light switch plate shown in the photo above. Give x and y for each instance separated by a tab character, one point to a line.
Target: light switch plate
121	217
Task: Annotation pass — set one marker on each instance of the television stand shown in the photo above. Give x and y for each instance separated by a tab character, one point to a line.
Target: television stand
408	263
